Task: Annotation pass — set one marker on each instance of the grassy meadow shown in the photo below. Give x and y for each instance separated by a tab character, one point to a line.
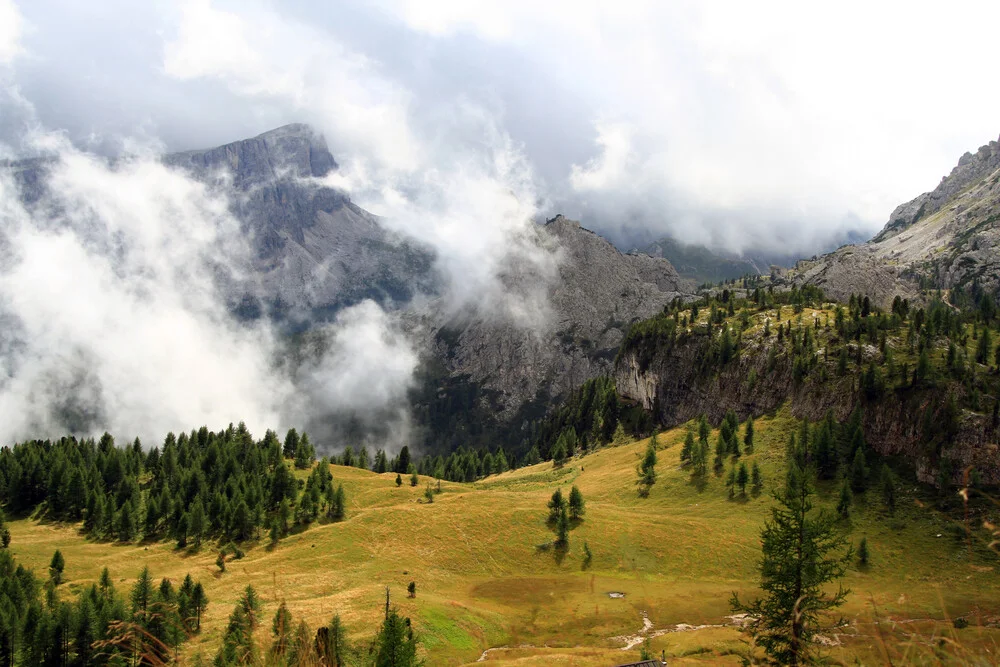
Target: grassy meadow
486	581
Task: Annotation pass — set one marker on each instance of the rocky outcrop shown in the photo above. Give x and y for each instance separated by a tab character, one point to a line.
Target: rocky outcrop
943	239
315	251
598	292
759	381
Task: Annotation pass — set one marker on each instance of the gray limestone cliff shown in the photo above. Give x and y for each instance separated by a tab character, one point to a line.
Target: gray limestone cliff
944	239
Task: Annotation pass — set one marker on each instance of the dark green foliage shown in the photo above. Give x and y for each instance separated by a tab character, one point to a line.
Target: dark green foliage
403	461
399	480
199	485
846	498
56	567
742	478
588	419
647	469
888	483
95	627
562	528
576	504
411	589
395	644
859	472
556	504
799	561
688	449
863	554
756	480
748	436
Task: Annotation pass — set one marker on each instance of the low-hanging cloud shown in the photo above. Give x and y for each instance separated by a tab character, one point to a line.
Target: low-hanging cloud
112	296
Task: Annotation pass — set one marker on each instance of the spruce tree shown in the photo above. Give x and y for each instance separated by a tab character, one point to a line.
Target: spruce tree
863	554
56	567
846	498
399	480
576	504
742	478
199	601
395	645
859	472
688	450
562	529
756	480
647	470
748	436
888	489
799	561
556	505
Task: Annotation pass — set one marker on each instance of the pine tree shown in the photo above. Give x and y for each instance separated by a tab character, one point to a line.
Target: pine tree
748	436
281	628
403	462
798	563
859	472
291	444
411	589
56	567
863	554
720	454
399	480
414	479
742	477
429	493
688	450
647	470
556	505
576	504
731	481
196	522
888	489
199	601
395	645
562	528
846	498
756	480
141	595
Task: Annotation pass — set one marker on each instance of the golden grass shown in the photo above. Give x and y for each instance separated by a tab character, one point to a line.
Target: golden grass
483	582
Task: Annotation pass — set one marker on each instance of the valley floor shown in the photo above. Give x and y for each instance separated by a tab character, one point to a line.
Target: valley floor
488	589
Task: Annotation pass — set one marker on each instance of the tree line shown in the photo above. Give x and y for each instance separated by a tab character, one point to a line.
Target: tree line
102	626
203	484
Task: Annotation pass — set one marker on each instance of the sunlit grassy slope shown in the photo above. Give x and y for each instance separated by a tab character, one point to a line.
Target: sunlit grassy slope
483	582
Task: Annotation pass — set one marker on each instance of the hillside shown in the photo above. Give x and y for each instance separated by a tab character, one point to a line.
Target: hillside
944	239
924	382
483	582
315	252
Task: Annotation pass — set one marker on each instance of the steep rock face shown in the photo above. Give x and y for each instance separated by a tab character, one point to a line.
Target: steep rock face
671	384
314	249
598	292
943	239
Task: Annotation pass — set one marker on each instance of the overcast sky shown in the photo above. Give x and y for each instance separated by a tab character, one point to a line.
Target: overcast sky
774	124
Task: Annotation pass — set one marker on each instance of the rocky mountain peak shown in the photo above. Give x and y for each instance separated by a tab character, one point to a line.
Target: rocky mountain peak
294	150
971	168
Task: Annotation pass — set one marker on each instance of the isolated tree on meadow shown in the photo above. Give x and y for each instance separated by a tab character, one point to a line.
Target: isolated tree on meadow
56	567
556	505
688	449
576	504
647	469
748	436
799	562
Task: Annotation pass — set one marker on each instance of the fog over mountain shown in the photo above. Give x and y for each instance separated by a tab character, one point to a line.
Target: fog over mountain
136	285
776	126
